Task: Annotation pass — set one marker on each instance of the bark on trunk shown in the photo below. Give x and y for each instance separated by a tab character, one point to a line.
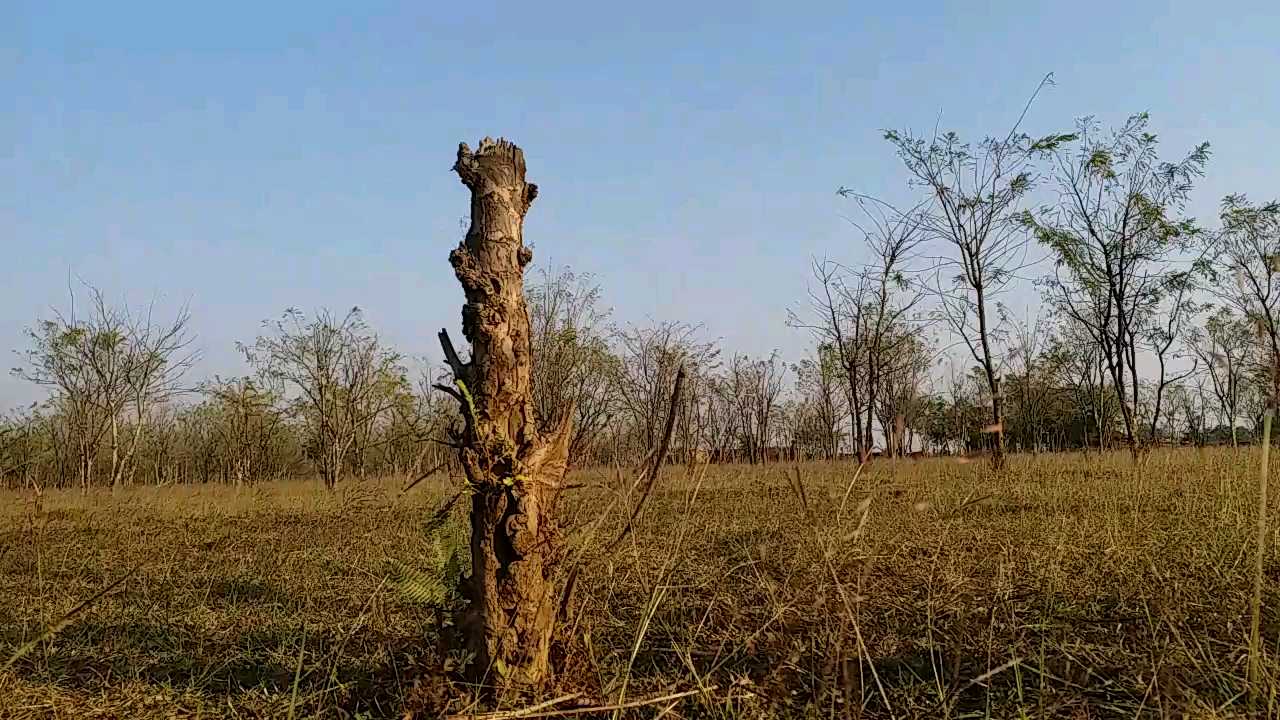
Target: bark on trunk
515	473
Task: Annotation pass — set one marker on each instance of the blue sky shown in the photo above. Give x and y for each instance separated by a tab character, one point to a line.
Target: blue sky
246	157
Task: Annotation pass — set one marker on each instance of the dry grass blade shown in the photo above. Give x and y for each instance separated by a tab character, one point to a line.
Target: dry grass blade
297	674
67	619
659	590
441	514
420	478
657	461
987	676
851	614
844	501
526	712
655	600
1260	551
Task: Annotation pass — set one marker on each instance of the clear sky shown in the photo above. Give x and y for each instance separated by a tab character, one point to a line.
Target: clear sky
246	157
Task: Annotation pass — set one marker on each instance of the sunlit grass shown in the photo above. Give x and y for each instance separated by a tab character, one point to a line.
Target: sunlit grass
1072	586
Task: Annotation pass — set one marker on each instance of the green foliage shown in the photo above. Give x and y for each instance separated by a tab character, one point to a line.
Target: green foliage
1099	163
433	578
1115	229
1050	143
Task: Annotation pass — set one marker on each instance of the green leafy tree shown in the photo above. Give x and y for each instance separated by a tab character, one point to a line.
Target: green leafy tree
976	193
1112	234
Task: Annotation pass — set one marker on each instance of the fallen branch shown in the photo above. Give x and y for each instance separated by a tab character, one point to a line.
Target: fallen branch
420	478
67	619
536	710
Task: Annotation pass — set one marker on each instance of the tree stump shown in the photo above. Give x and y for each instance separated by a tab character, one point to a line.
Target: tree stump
514	473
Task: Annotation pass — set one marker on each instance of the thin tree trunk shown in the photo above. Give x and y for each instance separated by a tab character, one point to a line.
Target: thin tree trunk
130	463
997	418
115	454
84	468
515	473
993	382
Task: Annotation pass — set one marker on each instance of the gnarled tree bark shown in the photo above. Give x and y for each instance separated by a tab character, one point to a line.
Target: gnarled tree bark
514	472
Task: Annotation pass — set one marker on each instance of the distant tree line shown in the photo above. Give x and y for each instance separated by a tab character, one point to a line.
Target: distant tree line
326	397
1161	331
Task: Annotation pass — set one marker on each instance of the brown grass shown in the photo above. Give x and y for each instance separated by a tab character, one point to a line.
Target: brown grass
1072	587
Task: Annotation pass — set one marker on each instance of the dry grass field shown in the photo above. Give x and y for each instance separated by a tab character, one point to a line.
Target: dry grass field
1071	587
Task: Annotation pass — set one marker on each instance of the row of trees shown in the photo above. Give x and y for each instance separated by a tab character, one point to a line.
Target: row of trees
1163	331
1160	325
326	397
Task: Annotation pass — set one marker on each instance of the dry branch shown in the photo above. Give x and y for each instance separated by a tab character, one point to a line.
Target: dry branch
533	713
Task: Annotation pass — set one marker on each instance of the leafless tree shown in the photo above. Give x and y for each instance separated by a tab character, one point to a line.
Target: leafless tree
1080	363
573	367
821	406
892	239
25	442
412	435
649	357
343	376
901	379
1224	348
159	356
709	424
1161	334
249	414
703	420
97	365
866	315
1025	357
1255	398
837	320
1188	401
755	387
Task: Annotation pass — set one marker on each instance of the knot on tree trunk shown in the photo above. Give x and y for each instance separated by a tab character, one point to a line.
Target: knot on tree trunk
466	269
522	539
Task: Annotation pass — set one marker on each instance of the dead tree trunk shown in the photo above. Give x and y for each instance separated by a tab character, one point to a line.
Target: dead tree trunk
515	474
